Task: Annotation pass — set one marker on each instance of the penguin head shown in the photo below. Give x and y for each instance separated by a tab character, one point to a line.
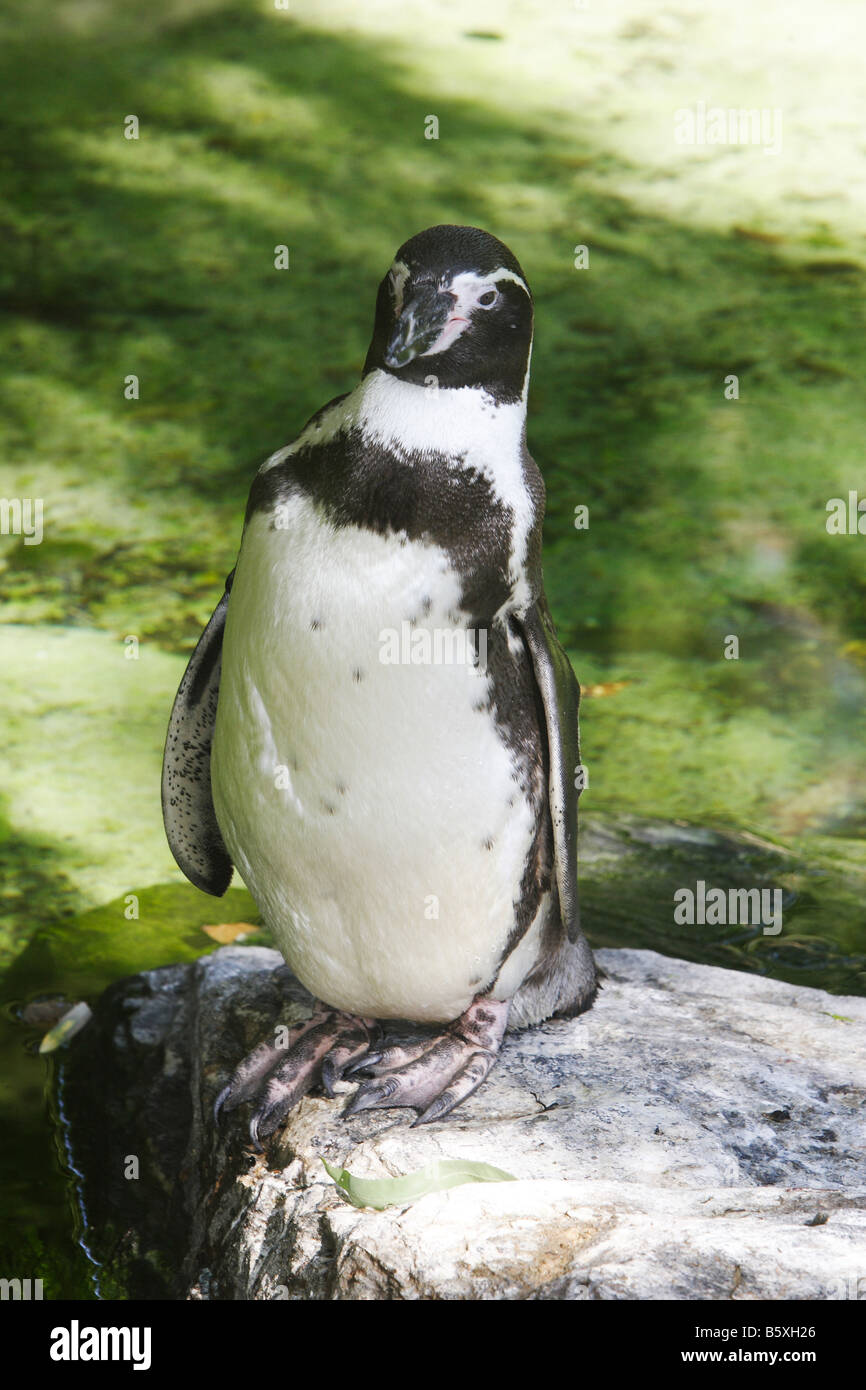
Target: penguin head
454	307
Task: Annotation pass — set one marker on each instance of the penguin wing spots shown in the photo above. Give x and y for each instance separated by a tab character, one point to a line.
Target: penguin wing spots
187	802
560	696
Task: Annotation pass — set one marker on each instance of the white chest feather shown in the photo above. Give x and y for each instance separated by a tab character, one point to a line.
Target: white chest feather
465	424
370	806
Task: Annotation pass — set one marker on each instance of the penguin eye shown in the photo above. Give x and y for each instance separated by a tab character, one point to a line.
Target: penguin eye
488	299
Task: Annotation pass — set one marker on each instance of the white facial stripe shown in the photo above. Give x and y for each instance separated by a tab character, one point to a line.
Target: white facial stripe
468	287
450	333
398	275
468	278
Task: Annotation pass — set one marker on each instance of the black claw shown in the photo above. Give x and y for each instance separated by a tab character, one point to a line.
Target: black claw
254	1134
220	1102
441	1106
373	1094
365	1098
330	1074
368	1060
355	1105
268	1118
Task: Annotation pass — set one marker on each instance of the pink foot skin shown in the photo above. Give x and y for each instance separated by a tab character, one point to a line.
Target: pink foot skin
316	1053
433	1074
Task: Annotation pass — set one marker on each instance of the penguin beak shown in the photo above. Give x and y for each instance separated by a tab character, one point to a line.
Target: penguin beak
419	326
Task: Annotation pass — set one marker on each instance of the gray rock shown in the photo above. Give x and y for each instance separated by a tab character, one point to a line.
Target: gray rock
680	1140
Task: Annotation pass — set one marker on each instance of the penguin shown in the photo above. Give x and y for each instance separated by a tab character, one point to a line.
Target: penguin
378	727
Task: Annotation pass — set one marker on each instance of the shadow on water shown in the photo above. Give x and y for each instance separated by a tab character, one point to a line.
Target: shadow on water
69	955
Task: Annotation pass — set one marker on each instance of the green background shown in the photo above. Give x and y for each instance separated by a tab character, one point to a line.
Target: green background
306	127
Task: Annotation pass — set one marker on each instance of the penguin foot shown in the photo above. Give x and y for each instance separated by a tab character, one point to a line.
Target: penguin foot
434	1074
315	1052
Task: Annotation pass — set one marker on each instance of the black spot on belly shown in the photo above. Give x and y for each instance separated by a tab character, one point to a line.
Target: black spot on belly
487	844
357	675
315	624
356	480
342	788
328	808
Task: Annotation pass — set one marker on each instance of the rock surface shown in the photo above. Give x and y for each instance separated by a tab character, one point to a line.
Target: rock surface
697	1135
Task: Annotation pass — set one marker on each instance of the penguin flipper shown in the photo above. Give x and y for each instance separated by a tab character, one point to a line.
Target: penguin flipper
188	813
560	696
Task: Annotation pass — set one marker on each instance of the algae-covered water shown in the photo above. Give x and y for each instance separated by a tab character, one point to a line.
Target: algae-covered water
153	258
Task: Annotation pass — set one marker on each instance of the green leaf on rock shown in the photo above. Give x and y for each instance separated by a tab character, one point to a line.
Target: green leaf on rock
436	1177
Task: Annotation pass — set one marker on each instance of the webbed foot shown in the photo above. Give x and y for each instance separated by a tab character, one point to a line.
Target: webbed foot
315	1052
433	1074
